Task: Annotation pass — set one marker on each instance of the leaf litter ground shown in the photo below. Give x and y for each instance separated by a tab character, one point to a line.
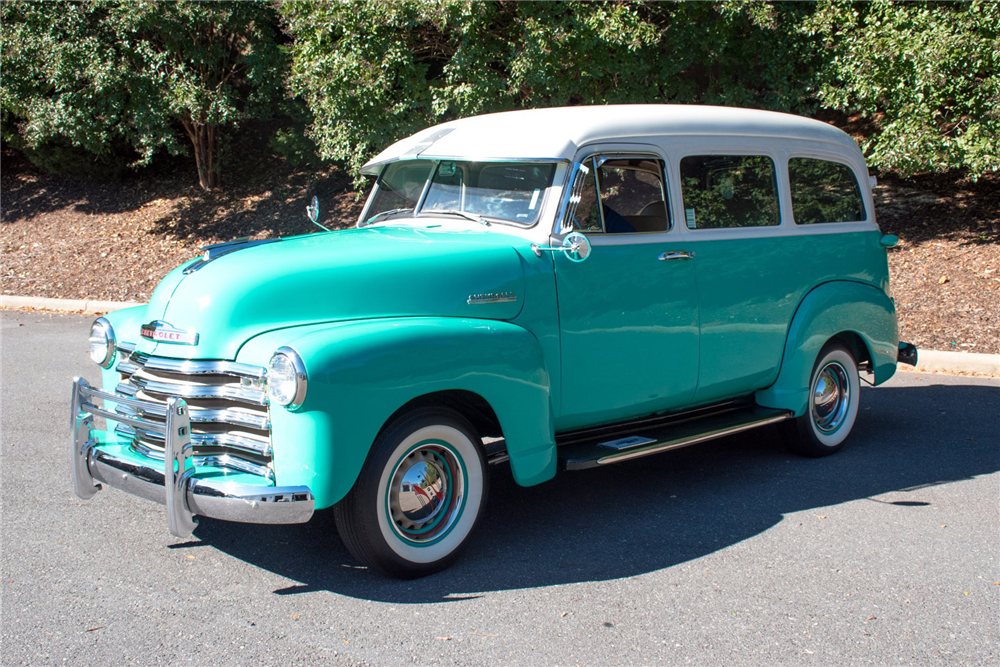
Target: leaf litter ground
64	238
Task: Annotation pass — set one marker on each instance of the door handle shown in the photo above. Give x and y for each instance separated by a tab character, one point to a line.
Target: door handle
676	254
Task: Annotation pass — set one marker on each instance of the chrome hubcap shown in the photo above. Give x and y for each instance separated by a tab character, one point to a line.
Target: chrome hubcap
425	493
831	395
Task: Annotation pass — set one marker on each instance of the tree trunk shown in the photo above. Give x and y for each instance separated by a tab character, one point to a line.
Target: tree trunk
203	139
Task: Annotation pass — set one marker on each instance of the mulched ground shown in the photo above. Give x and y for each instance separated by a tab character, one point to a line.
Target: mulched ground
71	239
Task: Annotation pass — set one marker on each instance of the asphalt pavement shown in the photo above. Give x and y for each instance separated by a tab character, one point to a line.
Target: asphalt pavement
728	552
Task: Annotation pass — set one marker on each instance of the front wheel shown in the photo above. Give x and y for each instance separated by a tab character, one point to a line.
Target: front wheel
834	393
418	497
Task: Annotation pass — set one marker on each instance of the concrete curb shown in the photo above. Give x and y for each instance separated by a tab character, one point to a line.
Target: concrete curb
87	306
958	362
927	360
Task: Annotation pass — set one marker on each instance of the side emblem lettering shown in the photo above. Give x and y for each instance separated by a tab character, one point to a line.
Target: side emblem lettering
492	297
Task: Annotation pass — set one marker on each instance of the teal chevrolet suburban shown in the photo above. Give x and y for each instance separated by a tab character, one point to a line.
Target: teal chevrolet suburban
546	289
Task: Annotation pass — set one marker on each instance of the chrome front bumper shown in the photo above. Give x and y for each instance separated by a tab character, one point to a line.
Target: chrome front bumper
173	485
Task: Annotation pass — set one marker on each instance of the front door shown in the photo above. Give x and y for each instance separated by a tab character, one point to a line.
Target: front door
628	313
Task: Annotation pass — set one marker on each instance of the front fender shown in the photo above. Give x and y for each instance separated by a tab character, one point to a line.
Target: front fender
361	372
830	309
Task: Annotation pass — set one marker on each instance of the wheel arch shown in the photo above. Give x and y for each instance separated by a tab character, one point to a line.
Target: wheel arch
858	315
856	345
467	403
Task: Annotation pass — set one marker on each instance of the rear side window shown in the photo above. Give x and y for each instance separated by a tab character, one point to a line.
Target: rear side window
824	191
726	191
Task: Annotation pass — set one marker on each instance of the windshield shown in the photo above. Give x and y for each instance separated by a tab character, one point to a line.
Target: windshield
510	192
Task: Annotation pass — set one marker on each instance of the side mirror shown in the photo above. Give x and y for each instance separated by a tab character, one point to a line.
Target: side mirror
312	210
575	245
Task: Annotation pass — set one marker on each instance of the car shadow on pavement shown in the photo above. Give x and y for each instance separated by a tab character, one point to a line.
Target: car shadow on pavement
661	511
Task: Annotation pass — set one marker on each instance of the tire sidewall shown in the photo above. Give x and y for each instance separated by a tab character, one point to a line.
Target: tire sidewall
840	356
469	458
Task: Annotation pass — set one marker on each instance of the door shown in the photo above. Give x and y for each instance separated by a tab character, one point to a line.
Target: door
628	313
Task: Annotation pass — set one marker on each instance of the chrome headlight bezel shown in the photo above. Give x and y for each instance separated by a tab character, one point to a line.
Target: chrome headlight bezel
286	378
102	342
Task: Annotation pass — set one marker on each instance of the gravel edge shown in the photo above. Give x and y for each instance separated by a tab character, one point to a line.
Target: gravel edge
927	360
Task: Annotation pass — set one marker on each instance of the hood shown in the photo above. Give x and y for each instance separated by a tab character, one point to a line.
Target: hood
353	274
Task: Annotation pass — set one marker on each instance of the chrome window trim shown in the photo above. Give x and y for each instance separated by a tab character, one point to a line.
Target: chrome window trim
571	198
368	202
597	191
435	165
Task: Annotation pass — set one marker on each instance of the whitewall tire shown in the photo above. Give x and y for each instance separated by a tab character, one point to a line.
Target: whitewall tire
419	495
834	394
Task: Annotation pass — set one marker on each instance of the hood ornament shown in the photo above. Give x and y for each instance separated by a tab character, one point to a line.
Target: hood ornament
162	332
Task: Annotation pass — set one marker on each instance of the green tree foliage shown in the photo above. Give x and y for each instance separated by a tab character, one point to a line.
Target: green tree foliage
925	73
119	81
374	71
97	75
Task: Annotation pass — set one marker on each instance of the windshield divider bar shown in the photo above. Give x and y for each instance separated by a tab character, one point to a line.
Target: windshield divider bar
427	187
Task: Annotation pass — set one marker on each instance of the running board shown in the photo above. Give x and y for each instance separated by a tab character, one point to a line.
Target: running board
605	448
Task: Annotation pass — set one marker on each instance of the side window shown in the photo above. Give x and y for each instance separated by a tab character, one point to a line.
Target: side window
622	196
588	211
824	191
723	191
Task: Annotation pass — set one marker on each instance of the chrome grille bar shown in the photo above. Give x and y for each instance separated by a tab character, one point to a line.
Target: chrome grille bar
250	445
215	460
234	393
203	416
226	408
88	405
189	367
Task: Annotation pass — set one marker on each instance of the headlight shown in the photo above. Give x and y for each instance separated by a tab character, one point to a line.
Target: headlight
102	342
286	378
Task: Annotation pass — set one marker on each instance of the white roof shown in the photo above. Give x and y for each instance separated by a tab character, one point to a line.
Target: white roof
558	133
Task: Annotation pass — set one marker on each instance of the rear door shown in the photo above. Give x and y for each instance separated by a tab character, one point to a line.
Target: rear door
749	275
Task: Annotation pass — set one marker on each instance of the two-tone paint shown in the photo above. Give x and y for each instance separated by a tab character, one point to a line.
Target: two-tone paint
406	310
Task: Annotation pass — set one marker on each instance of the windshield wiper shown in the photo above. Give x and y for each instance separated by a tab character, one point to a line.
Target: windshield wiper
391	211
465	214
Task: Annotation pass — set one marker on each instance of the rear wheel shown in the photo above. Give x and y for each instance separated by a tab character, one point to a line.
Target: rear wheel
834	392
419	495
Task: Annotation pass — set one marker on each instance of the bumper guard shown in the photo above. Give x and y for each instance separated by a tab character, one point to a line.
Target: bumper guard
174	485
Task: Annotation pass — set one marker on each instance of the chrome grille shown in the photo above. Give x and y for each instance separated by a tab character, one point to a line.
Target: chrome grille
227	402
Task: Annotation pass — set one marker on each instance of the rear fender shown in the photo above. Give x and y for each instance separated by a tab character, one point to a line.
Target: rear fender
830	309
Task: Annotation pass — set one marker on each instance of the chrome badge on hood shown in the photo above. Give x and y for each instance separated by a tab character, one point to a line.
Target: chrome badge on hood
162	332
